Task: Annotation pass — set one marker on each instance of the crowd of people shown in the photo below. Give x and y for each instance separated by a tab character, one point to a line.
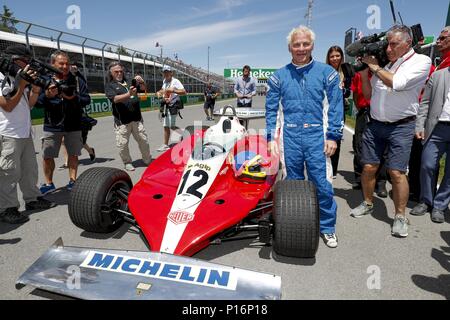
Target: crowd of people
400	106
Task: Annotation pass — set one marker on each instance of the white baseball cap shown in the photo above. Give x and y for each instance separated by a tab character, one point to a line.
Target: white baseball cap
167	68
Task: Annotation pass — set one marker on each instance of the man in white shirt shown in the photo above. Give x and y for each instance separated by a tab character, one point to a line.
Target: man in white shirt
433	128
245	88
18	163
394	92
171	91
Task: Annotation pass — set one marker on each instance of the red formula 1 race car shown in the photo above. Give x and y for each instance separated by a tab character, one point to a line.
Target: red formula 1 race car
217	184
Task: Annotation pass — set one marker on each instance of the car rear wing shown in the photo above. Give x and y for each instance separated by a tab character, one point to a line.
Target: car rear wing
244	114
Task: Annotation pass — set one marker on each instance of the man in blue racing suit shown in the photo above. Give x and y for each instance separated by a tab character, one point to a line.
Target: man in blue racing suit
308	124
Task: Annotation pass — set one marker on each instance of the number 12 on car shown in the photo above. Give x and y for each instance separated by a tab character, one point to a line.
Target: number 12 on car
192	185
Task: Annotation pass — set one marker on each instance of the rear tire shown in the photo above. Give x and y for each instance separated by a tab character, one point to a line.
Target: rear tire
296	219
95	187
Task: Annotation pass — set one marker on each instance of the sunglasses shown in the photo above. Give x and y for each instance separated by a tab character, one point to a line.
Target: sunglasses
442	38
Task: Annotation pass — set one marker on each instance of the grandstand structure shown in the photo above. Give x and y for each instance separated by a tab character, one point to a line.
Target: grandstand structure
93	56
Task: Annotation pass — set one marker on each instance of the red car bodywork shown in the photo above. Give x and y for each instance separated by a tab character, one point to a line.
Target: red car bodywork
228	201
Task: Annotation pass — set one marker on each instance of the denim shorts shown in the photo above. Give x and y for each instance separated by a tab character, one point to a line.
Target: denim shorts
395	139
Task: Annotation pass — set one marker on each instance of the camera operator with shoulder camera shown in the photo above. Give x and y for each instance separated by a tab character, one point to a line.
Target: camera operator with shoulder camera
63	100
127	114
18	165
394	92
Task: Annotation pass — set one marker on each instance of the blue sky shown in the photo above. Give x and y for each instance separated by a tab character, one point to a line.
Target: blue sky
238	32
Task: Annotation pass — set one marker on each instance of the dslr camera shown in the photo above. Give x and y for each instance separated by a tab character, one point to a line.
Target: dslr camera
375	45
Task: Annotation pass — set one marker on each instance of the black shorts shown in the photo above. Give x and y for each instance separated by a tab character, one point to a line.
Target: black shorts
209	105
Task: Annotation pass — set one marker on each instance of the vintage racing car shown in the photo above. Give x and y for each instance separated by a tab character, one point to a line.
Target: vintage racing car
217	184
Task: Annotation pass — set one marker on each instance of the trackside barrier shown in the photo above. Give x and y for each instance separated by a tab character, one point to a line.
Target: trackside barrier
100	104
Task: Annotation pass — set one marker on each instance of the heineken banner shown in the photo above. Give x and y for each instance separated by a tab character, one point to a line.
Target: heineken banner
261	74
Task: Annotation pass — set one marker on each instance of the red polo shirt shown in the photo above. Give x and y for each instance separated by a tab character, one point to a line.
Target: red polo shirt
445	63
356	87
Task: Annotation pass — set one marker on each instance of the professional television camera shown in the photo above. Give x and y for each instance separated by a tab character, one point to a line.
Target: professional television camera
375	45
44	71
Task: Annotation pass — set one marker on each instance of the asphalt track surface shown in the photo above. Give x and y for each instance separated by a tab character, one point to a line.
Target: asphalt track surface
368	264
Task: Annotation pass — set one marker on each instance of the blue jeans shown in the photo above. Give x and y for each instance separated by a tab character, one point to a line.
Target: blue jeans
435	147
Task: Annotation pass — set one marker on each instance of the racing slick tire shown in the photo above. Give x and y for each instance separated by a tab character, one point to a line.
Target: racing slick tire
296	219
92	190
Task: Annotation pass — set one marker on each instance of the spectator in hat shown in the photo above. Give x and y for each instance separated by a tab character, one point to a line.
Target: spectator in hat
170	93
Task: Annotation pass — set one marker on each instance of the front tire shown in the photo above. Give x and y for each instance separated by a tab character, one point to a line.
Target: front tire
296	219
94	188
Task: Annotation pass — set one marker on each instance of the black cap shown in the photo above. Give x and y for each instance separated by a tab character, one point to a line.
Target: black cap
18	50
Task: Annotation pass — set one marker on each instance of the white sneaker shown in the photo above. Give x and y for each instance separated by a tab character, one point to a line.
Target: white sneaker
163	148
129	167
330	239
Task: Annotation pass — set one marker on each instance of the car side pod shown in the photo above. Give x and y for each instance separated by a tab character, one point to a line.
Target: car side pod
100	274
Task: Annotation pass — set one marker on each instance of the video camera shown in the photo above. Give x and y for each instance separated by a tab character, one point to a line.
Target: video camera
375	45
43	70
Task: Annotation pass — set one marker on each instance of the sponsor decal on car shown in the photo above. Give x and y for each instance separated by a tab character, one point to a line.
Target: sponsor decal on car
180	217
171	271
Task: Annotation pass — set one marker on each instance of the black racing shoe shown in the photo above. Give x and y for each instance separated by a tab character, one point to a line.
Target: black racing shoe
381	189
92	155
40	204
13	216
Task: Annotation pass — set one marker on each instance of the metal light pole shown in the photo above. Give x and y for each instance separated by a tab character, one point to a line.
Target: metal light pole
159	45
208	63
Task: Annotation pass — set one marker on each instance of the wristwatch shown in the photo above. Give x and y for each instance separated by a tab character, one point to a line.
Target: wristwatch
378	70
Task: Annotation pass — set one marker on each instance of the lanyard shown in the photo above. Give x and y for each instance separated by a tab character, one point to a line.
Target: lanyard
125	86
398	67
441	64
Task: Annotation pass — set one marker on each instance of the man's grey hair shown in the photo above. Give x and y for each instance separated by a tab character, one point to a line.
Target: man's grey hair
301	29
58	53
112	65
404	31
446	30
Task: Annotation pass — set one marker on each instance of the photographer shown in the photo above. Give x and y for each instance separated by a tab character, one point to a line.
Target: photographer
18	163
171	91
127	114
210	101
394	92
63	100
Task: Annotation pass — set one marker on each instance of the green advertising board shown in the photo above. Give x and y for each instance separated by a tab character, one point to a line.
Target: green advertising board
428	39
100	104
261	74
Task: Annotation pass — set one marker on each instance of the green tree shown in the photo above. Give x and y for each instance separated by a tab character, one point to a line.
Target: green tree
122	51
8	21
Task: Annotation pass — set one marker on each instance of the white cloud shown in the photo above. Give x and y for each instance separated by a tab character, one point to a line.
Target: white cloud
206	34
234	57
220	7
